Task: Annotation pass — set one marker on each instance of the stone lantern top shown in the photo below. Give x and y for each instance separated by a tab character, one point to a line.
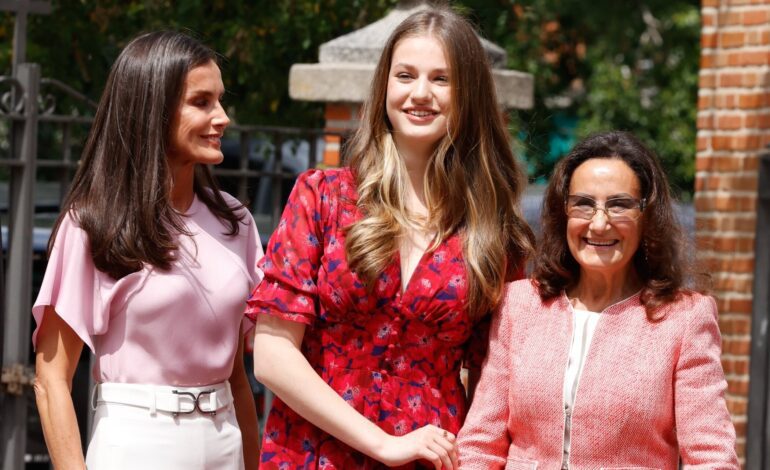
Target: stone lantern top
365	45
346	65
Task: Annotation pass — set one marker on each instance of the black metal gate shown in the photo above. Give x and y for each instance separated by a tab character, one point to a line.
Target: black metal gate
758	433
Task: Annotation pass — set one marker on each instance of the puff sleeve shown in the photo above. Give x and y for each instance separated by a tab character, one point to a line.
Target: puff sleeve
293	255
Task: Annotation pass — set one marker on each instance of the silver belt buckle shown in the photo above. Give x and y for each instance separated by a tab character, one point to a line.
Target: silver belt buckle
196	402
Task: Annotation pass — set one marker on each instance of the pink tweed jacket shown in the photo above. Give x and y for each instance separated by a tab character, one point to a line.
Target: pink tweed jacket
649	391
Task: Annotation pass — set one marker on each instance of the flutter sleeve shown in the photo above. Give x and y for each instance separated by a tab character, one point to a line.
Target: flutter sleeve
705	432
73	286
290	265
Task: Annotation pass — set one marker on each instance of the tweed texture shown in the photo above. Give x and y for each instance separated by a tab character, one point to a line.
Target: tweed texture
649	391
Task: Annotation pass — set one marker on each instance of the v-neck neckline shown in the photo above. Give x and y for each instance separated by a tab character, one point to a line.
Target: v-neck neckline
403	288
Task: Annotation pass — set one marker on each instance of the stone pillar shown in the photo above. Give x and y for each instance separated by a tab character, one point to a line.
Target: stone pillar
733	128
340	118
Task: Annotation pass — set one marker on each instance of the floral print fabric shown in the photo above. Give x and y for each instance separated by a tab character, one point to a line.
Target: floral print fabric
394	356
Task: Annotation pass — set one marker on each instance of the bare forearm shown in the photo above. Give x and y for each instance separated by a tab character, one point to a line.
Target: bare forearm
287	373
57	415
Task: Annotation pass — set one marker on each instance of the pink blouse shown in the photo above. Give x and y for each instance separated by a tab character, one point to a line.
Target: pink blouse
177	327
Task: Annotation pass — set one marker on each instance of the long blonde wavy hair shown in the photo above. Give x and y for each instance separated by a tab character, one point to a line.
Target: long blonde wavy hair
472	183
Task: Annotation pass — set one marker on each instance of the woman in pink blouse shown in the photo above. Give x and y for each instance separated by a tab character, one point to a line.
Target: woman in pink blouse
379	274
149	264
605	359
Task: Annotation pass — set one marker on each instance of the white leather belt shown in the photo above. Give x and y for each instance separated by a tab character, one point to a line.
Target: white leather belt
175	400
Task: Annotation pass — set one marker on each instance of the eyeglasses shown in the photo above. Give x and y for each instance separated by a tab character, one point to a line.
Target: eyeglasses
621	209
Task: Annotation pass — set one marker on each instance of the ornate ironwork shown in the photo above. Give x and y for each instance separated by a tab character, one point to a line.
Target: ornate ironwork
47	103
12	101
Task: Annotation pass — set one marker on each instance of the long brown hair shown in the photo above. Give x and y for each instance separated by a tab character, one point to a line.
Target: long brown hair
120	192
660	261
472	183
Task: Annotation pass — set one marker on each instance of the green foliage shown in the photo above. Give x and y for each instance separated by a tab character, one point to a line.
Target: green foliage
259	40
598	65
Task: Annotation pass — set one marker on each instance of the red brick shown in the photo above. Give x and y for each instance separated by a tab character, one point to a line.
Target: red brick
727	100
730	79
743	58
736	326
746	142
751	79
337	112
751	101
735	163
706	80
741	306
707	61
708	40
764	120
740	426
331	156
705	122
709	18
755	17
733	306
728	40
736	346
737	407
726	202
729	18
725	223
739	366
705	102
729	121
721	181
742	286
702	143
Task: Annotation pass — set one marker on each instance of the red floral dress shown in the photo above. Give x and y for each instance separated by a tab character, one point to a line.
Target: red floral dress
395	357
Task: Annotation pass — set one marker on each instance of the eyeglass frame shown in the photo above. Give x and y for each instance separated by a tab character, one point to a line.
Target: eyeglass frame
641	203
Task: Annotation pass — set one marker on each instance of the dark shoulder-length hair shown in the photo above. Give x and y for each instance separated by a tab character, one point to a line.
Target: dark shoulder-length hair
120	194
660	259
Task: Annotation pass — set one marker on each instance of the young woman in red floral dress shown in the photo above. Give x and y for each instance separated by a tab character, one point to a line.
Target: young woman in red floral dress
380	275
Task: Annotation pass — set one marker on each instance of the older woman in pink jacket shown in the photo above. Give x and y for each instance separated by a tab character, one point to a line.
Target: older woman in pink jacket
605	360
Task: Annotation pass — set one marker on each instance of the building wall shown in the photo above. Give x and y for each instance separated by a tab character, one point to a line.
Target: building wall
733	129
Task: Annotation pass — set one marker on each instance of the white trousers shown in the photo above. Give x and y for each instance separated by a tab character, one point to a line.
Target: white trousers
132	437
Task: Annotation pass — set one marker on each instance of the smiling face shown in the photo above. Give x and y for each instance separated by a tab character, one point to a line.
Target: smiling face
419	94
200	120
599	245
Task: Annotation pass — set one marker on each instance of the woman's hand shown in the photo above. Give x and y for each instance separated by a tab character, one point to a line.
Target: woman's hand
429	443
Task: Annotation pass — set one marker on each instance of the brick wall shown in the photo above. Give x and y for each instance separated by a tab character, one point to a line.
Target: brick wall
342	118
733	128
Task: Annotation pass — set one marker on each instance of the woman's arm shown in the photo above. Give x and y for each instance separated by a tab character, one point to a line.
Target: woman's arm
57	355
281	366
704	430
245	410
